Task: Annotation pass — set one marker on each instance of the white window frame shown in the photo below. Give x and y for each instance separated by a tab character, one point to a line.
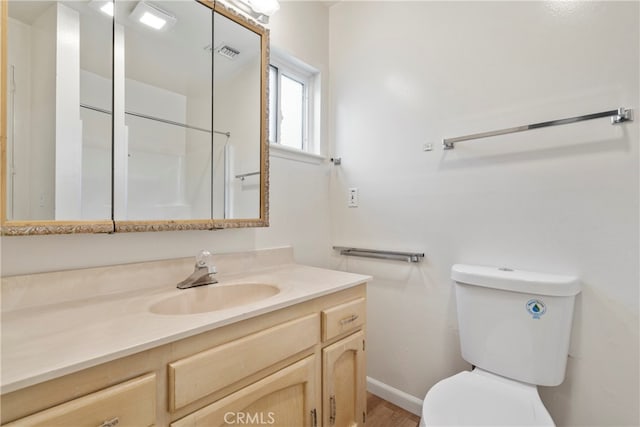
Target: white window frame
297	70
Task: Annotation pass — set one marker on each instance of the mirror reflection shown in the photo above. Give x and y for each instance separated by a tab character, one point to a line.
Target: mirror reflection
237	106
168	110
134	111
58	102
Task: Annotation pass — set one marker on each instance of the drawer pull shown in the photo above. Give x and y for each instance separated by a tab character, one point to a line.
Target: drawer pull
349	319
110	423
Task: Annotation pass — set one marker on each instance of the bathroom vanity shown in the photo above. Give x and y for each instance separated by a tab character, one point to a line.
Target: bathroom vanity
289	351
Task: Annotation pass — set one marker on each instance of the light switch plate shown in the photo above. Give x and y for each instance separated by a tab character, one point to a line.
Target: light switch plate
352	202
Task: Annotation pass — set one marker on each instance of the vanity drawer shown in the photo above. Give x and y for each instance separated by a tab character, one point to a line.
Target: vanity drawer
197	376
132	403
343	318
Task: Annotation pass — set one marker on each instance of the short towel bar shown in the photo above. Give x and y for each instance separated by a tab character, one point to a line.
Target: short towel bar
379	254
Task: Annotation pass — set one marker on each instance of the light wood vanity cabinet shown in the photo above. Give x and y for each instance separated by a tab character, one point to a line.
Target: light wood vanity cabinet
298	366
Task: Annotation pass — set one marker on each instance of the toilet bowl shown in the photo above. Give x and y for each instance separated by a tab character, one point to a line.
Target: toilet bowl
514	327
480	398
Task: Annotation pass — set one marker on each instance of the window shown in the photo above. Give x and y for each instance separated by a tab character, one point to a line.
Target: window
291	106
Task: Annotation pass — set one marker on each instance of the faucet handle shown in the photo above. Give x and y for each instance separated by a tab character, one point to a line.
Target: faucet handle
204	259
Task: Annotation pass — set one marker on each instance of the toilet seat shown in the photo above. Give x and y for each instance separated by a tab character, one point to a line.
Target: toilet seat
482	398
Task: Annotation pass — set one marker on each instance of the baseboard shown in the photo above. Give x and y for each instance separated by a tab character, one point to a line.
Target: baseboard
395	396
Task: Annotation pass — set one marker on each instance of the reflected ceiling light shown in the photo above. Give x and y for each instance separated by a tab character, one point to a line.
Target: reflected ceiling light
153	21
107	8
104	6
260	10
152	16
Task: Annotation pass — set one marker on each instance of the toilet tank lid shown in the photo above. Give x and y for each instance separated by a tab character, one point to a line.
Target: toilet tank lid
516	280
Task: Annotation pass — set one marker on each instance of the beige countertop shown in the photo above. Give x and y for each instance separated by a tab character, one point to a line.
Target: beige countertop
45	341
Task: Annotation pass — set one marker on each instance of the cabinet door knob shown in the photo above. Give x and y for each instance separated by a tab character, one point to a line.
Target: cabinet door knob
110	423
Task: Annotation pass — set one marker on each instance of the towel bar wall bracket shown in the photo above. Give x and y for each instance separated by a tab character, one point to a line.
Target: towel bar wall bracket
617	116
624	115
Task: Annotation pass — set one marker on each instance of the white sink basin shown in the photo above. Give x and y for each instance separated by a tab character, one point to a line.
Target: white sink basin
214	297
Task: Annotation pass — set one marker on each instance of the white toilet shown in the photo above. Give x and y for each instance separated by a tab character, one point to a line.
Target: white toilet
514	328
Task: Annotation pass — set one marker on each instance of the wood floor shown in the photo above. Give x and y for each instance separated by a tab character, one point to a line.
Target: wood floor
381	413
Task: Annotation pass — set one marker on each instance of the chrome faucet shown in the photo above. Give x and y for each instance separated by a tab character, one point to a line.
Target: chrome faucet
203	272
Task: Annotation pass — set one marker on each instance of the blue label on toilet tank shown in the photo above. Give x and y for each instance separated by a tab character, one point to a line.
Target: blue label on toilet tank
536	308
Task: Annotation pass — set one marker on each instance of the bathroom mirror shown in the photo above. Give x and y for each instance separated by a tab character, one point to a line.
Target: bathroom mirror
236	116
163	169
143	129
56	121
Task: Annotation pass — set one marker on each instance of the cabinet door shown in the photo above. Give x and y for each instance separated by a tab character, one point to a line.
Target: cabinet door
286	398
343	389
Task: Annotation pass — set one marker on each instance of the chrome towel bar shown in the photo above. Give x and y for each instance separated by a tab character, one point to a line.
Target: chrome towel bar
617	116
373	253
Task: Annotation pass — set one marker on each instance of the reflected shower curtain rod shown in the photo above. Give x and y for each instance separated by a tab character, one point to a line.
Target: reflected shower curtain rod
157	119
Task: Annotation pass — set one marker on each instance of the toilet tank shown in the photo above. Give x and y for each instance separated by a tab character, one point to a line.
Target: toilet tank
515	323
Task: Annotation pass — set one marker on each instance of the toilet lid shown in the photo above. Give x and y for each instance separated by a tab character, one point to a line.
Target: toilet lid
481	398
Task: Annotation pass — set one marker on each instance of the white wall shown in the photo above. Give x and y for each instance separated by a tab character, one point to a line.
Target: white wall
299	196
558	200
299	199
